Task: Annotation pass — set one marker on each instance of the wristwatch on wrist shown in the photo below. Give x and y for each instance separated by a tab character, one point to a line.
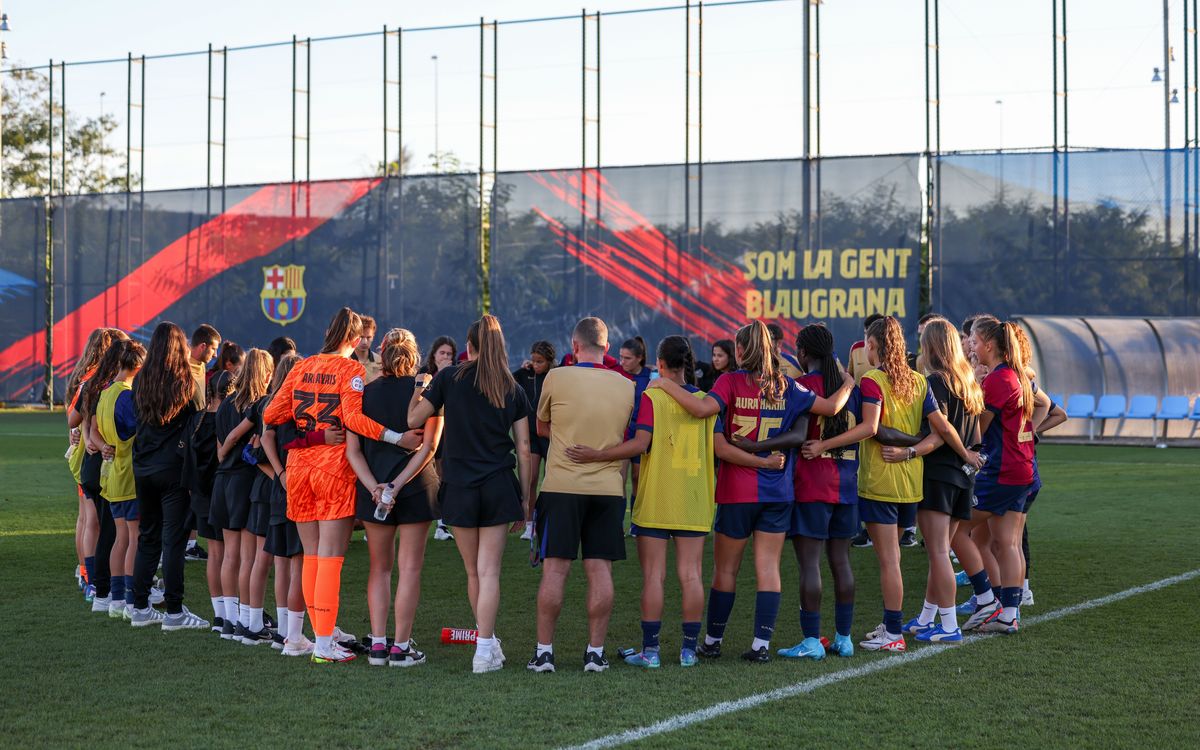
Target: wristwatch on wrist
912	453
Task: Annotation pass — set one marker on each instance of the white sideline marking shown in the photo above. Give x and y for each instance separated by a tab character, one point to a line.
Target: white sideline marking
680	721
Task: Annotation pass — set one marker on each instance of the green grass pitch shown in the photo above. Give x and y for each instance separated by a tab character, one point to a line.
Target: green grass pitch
1119	675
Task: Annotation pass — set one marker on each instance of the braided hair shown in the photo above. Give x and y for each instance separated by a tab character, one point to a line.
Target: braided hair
817	344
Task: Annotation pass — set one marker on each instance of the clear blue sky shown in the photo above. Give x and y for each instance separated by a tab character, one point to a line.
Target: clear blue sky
872	78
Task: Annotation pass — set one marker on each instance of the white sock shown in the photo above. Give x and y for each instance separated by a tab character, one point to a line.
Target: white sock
244	614
984	599
1025	586
928	611
403	645
379	640
483	646
545	648
597	650
949	617
759	643
191	544
218	603
256	622
231	610
1009	614
324	644
295	625
709	640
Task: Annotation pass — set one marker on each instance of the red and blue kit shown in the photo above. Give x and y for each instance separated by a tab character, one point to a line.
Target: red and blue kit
746	413
1008	443
831	478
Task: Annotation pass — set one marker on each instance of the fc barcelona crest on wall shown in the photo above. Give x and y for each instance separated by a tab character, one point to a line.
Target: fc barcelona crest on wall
283	293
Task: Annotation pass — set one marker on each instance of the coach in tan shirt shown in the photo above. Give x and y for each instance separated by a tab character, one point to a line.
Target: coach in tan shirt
581	506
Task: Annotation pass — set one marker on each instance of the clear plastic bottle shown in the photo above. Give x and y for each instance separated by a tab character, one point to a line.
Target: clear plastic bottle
385	504
970	470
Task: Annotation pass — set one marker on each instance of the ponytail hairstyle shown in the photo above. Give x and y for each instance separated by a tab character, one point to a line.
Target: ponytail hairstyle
98	342
726	345
165	386
545	349
1006	338
231	354
893	358
941	346
759	358
221	385
676	353
346	327
431	361
106	371
286	363
132	356
637	345
253	379
1026	349
817	343
490	367
400	353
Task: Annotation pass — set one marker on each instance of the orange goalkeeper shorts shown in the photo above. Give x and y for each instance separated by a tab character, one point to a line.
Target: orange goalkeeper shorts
315	495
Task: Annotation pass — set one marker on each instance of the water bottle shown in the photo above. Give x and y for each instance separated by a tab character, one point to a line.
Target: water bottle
106	468
970	470
385	504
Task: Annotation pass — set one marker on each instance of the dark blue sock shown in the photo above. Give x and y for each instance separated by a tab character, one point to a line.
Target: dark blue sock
691	633
843	618
810	623
1010	596
129	589
893	621
997	591
720	604
89	565
117	588
650	629
766	611
980	582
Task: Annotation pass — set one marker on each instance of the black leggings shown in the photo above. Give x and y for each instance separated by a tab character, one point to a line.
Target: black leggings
808	554
101	572
163	534
1025	547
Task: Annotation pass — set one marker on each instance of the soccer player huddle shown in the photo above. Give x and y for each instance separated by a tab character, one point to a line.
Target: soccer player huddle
273	458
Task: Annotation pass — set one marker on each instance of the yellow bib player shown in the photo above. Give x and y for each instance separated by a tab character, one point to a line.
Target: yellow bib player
674	498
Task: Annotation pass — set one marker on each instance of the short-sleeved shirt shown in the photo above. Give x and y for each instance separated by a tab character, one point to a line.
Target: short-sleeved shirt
585	404
859	364
829	479
878	480
944	464
476	434
1008	442
746	413
790	366
386	401
229	417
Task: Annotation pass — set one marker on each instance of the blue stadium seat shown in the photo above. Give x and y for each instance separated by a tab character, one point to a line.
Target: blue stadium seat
1173	407
1196	410
1081	405
1142	406
1111	406
1056	397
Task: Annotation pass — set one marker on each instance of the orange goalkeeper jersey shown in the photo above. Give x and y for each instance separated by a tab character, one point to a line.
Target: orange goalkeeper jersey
323	391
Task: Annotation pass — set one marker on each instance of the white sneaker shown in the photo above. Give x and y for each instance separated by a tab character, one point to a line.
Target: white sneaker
157	595
184	620
442	534
982	616
127	615
340	635
527	534
145	617
116	609
101	604
487	663
497	650
878	632
1027	598
882	641
299	647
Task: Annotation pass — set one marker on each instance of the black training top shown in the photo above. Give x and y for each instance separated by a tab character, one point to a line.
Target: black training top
944	465
531	383
156	447
477	439
200	452
386	401
228	417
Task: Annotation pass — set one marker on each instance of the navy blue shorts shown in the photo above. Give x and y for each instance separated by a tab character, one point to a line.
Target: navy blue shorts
879	511
741	520
824	520
999	499
1032	496
650	533
126	510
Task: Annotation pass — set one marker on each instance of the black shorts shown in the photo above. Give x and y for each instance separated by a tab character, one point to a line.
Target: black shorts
947	498
259	519
234	500
206	530
566	522
494	501
283	540
421	507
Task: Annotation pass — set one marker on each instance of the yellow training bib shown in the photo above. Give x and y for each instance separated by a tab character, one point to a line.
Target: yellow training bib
676	484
